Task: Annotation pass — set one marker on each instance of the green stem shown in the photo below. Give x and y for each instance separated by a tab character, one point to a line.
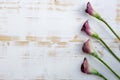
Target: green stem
99	74
109	28
95	72
107	66
109	49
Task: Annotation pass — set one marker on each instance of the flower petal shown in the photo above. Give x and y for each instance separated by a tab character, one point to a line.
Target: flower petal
84	66
89	9
86	28
87	48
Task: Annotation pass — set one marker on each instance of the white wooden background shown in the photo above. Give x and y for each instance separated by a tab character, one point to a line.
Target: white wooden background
41	39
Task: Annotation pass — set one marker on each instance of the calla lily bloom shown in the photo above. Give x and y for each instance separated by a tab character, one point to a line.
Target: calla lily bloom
93	13
87	69
88	30
90	10
87	48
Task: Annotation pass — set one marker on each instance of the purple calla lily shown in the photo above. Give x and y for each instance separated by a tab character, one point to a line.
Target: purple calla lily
88	30
89	9
87	47
87	69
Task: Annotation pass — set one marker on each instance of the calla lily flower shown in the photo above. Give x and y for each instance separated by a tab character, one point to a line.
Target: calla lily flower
88	30
90	10
87	48
93	13
87	69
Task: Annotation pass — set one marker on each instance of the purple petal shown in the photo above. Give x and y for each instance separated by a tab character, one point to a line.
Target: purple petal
86	47
89	9
85	66
86	28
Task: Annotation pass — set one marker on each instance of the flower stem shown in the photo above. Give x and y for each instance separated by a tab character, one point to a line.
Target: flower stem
109	27
109	49
99	74
95	72
107	66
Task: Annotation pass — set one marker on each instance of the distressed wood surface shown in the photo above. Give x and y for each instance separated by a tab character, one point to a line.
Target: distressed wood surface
41	39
